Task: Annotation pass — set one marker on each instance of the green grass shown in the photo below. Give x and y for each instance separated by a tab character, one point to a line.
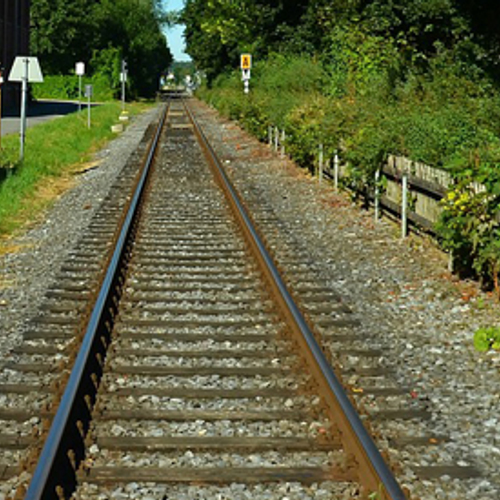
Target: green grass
54	151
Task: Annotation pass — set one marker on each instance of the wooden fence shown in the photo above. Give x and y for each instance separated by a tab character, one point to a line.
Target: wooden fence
418	204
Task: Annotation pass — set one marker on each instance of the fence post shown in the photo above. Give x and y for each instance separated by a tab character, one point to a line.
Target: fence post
320	164
276	138
404	207
377	194
270	135
283	137
336	171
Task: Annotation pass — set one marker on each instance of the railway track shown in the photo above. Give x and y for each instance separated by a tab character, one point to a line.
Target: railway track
197	381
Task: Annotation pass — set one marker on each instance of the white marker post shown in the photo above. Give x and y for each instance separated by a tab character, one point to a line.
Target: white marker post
25	70
80	71
336	171
320	164
377	194
246	66
404	206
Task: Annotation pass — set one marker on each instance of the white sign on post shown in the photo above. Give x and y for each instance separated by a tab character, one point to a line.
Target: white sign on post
26	70
246	66
17	73
80	68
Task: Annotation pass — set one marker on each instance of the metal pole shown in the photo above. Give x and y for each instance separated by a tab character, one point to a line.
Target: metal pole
404	207
377	194
24	99
88	105
79	93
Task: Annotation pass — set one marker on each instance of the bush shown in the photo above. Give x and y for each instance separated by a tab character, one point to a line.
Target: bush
66	87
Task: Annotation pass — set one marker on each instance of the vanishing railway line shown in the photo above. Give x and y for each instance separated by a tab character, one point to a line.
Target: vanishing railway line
193	367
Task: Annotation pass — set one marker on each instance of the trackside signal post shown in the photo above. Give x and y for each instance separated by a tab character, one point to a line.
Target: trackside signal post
246	66
123	80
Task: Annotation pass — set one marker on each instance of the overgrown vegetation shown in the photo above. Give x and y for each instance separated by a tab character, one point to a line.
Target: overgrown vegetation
54	152
100	34
370	78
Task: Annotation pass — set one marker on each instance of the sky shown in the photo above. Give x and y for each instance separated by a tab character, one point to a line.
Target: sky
174	34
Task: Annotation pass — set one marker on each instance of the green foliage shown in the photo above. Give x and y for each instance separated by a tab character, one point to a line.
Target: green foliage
487	338
66	87
218	31
101	34
279	85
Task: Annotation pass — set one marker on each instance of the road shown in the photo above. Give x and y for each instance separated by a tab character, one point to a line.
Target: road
38	112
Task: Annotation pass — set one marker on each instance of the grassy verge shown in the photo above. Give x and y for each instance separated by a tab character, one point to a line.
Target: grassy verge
54	152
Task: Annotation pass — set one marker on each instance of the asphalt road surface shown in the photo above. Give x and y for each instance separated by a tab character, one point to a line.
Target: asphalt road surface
38	112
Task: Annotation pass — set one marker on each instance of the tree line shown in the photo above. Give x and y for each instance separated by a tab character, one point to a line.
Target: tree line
101	33
217	31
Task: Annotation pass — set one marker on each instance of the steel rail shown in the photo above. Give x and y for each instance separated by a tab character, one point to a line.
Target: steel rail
374	472
64	447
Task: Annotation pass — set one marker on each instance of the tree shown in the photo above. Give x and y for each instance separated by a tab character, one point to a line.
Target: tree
62	32
102	32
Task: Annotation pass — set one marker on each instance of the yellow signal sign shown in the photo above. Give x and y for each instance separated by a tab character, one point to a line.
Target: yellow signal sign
246	61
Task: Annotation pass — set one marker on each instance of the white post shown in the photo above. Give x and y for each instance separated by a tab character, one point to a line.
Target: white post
24	100
276	138
336	171
270	135
320	164
283	137
404	207
377	194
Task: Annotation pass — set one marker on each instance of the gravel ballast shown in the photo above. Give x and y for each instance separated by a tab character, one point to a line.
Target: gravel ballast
408	304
